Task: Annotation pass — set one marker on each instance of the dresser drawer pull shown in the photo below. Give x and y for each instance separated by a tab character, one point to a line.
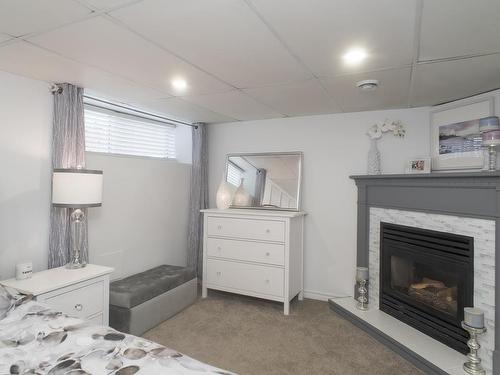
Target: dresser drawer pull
78	307
268	253
267	281
219	248
219	273
219	227
268	231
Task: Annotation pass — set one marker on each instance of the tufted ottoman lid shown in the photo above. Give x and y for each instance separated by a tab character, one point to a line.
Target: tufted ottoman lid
136	289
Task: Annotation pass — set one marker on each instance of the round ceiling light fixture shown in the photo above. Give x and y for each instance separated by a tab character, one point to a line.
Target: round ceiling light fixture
355	56
179	84
367	85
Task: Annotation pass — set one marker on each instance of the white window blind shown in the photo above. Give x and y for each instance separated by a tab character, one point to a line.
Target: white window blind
234	174
107	131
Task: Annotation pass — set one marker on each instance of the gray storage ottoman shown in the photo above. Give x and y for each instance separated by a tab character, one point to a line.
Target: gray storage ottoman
142	301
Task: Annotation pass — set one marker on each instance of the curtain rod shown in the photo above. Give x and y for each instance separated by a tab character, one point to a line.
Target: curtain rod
163	118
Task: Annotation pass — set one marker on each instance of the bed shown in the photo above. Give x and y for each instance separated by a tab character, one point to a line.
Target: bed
37	340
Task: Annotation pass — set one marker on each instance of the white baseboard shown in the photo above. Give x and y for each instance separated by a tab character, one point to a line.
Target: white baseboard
320	296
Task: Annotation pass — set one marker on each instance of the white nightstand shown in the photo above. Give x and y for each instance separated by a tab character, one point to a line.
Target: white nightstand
83	293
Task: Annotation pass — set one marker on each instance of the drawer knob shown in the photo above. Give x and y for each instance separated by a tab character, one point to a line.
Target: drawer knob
219	227
267	281
219	248
268	230
78	307
219	273
268	253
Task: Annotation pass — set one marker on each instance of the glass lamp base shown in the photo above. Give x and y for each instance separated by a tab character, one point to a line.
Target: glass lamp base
75	265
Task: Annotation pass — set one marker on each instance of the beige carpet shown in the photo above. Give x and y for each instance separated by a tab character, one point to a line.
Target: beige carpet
252	336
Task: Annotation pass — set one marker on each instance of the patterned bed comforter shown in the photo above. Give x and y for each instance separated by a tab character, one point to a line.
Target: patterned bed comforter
37	340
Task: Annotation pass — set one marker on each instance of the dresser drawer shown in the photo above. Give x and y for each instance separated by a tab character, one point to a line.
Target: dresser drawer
243	276
79	302
261	252
267	230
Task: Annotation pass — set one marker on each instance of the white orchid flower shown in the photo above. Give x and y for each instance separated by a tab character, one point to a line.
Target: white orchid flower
386	126
374	132
377	130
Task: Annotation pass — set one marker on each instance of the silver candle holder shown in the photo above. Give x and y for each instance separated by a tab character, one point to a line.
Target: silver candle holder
473	365
362	298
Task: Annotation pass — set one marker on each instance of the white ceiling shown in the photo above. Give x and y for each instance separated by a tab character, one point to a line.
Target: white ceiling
256	59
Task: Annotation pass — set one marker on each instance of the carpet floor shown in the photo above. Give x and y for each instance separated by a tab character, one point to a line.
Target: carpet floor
252	337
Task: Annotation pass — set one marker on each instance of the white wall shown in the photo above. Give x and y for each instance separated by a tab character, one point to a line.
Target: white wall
334	146
25	128
143	219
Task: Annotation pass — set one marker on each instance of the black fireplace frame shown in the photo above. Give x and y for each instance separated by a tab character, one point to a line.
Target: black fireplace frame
450	252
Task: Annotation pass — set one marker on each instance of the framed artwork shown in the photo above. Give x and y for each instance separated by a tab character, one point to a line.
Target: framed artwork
456	143
419	165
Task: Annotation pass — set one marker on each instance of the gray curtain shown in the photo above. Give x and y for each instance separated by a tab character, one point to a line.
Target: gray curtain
260	184
198	199
68	151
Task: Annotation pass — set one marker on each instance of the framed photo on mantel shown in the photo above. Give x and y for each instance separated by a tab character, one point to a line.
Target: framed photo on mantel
456	142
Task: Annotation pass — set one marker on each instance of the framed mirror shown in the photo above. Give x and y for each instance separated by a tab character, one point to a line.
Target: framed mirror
265	180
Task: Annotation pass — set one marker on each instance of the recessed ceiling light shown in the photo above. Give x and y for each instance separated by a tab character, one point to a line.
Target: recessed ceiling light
355	56
179	84
367	85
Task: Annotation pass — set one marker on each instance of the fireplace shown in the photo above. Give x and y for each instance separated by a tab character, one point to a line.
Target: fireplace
426	279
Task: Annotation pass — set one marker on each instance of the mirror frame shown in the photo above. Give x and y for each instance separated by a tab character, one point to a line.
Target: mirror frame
300	154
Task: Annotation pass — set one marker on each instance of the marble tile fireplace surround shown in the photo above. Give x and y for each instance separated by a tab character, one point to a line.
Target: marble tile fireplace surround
461	205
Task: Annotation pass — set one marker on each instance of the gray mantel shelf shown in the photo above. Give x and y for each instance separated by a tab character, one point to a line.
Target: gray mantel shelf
466	194
450	175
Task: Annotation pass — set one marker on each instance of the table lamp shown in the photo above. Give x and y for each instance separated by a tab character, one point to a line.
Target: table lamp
76	189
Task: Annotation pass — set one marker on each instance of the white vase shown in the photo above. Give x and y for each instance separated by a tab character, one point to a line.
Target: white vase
241	197
373	158
224	195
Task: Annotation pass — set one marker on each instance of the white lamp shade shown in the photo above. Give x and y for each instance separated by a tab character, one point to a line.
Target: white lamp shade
76	188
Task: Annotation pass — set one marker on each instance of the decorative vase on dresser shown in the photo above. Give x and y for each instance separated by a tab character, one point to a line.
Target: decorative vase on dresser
224	196
258	253
83	293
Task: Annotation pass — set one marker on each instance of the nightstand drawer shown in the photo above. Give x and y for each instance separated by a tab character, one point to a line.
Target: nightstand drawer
81	302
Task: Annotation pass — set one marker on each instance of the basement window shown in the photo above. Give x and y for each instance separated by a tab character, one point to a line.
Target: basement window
112	130
234	174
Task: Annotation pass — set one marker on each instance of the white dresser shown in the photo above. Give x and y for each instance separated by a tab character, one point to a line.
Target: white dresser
258	253
83	293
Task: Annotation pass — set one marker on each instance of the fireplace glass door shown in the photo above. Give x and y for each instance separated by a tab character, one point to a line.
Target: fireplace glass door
430	285
427	280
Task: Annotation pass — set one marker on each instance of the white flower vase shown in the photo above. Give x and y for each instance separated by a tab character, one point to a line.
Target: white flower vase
241	197
373	158
224	195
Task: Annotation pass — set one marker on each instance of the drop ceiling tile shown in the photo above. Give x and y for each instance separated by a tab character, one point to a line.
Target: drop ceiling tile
452	28
21	17
440	82
4	37
183	110
235	104
223	37
319	32
101	43
392	92
108	4
19	58
296	99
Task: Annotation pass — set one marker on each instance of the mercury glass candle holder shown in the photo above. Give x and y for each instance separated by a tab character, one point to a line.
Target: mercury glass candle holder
491	140
473	365
362	298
